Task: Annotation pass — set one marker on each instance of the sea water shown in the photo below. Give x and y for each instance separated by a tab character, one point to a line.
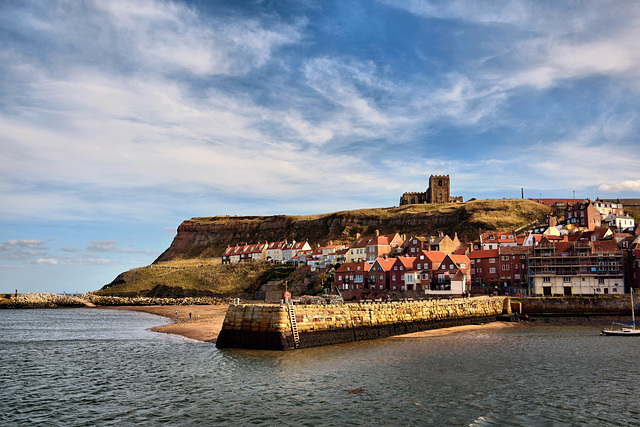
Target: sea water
104	367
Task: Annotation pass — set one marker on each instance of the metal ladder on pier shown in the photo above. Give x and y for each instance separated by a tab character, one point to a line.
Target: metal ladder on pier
294	324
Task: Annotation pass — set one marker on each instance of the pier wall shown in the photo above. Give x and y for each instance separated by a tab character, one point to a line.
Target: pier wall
577	306
268	326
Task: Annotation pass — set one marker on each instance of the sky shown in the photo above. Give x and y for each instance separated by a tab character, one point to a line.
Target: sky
121	119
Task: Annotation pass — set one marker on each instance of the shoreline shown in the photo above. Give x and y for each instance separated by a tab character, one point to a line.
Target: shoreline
204	325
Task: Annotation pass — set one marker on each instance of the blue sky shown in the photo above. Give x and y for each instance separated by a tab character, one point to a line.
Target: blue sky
118	120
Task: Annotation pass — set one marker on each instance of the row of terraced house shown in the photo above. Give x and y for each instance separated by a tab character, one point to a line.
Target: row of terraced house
547	260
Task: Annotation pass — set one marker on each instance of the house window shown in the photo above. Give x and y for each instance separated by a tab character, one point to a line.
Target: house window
566	279
546	279
504	258
419	266
381	277
505	267
601	280
463	265
517	277
492	270
492	260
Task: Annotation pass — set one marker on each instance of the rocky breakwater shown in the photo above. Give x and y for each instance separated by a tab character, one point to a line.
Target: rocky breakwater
268	326
41	300
49	300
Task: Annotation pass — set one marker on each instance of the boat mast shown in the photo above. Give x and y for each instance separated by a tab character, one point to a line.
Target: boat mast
633	314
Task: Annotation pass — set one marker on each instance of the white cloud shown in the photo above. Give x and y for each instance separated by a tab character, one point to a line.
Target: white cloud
628	185
46	261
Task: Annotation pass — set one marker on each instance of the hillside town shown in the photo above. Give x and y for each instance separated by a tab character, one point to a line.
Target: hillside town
584	248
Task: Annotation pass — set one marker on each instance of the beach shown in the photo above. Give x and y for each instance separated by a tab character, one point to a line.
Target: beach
204	324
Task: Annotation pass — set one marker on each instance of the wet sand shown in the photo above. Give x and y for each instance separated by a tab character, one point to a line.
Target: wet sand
457	329
204	325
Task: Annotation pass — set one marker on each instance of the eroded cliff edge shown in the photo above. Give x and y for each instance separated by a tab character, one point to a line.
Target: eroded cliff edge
209	236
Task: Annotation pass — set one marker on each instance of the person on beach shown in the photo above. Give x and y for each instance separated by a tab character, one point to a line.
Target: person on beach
189	316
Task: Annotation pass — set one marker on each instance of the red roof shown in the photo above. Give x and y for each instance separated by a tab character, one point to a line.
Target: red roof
484	253
406	261
434	256
606	246
360	243
385	263
353	266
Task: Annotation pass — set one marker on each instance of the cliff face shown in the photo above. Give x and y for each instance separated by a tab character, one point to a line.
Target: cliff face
208	237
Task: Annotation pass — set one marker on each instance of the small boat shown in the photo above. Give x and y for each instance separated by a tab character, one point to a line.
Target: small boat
626	330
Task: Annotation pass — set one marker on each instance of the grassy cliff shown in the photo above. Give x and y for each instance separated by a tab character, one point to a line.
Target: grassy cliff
194	278
209	236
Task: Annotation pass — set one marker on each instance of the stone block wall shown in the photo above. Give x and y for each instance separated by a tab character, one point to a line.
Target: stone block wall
268	326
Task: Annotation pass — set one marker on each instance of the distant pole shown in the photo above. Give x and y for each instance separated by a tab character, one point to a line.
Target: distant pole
522	189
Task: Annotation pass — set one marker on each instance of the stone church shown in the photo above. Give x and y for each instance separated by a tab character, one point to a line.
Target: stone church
438	192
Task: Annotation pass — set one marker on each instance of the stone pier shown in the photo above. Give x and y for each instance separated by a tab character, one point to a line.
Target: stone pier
268	327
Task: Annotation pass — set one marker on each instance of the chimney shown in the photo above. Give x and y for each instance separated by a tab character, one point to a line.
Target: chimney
357	236
377	233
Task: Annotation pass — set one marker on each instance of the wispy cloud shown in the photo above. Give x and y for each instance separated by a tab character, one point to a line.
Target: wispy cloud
22	249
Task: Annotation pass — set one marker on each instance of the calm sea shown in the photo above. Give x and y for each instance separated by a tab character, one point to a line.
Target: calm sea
103	367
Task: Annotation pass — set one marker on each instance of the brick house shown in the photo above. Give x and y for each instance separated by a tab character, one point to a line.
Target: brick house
401	265
485	267
352	275
583	214
380	274
513	265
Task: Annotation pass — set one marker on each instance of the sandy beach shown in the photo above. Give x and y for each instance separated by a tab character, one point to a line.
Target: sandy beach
204	324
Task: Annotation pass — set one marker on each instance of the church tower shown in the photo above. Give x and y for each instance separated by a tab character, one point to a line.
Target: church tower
439	190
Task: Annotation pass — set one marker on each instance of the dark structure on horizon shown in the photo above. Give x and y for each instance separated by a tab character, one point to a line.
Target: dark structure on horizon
438	192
